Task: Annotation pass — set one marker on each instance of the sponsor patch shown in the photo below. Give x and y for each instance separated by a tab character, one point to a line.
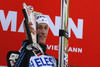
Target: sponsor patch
42	61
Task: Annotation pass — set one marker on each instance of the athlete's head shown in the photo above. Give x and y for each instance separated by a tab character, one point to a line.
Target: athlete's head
66	1
43	28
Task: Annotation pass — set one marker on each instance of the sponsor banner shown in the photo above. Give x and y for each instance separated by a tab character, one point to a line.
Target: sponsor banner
83	29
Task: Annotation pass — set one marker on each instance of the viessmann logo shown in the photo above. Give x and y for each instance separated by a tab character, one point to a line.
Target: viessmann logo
77	29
